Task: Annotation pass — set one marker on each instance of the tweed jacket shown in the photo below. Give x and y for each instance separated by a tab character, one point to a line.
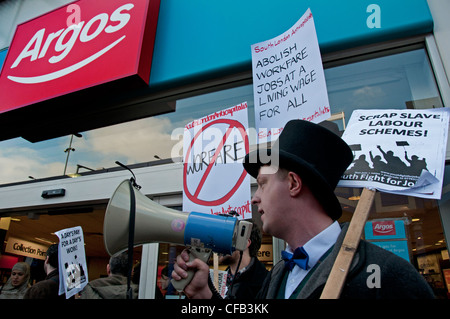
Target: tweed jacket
399	279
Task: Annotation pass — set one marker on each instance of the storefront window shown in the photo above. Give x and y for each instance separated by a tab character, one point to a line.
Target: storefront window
403	80
397	81
440	268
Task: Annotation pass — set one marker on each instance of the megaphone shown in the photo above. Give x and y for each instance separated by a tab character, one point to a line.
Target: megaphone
201	233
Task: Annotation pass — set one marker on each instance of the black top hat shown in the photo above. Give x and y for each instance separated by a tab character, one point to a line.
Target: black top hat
315	153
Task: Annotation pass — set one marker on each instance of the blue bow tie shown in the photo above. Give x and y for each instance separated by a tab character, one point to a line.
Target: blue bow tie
299	257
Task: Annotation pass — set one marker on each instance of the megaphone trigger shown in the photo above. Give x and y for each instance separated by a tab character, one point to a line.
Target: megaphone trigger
241	235
194	252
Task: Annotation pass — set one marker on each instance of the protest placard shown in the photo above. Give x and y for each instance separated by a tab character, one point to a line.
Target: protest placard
221	281
288	79
214	180
398	151
395	151
73	275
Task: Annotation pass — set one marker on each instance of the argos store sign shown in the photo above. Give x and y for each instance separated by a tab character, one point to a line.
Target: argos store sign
78	46
63	41
382	229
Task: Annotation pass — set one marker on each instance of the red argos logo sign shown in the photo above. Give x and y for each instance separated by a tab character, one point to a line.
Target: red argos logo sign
383	228
78	46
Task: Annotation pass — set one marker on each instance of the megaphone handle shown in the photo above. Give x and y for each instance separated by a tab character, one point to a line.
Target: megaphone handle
194	252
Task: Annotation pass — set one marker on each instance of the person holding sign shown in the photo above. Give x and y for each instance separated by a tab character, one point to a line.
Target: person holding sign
297	203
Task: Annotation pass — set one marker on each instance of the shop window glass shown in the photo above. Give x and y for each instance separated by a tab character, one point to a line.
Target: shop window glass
439	273
399	81
402	80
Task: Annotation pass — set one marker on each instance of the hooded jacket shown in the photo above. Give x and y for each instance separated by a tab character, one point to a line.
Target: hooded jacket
111	287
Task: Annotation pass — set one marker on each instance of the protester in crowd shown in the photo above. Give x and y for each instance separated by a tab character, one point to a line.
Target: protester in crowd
115	286
250	276
17	283
49	287
297	203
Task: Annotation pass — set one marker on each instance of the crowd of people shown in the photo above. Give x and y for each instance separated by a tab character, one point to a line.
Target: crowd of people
114	286
246	283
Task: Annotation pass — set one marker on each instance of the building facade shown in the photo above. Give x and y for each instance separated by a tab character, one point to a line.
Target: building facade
376	55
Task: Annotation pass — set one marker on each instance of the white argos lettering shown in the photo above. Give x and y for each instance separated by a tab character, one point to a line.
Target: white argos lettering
66	47
65	71
384	228
86	32
36	40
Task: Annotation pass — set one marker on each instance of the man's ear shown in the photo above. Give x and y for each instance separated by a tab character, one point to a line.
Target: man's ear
295	184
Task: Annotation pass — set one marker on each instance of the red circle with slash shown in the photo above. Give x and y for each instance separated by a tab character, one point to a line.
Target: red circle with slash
194	197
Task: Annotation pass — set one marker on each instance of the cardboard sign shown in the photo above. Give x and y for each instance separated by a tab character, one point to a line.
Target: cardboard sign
288	79
81	45
222	289
73	273
214	180
398	151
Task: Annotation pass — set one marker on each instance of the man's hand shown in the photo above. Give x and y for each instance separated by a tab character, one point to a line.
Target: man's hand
198	287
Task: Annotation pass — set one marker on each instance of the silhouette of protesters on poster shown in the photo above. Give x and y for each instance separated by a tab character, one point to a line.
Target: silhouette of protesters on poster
387	164
361	165
378	164
394	163
416	165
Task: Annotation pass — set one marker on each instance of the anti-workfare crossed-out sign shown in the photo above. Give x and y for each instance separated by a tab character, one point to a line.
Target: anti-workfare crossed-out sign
214	179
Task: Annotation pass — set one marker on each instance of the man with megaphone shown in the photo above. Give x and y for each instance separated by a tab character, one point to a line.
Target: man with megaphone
297	203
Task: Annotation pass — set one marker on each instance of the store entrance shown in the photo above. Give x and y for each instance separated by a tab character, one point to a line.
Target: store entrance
409	227
40	227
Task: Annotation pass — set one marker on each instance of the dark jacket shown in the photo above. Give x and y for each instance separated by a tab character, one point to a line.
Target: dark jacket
45	289
247	284
111	287
399	279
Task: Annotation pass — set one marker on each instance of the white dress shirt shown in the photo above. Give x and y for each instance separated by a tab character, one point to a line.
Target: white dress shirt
315	247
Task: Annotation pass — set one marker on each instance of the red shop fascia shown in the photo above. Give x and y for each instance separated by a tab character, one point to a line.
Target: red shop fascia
74	68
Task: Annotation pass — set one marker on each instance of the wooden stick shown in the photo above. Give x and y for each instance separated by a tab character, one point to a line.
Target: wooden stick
216	270
338	274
